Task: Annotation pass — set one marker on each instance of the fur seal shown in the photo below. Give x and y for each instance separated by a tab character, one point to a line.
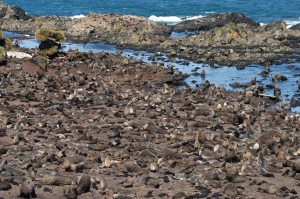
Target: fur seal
27	188
84	184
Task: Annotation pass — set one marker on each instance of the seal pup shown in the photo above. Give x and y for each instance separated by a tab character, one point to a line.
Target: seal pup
27	188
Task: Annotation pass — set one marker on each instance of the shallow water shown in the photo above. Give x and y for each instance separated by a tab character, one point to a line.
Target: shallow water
223	76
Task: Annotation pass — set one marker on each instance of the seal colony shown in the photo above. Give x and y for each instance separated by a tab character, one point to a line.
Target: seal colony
84	125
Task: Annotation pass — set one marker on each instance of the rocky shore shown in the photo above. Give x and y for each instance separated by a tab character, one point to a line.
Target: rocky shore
225	39
84	125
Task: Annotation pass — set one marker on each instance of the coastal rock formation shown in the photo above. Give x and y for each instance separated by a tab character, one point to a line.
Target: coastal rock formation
221	39
12	12
212	22
122	30
236	44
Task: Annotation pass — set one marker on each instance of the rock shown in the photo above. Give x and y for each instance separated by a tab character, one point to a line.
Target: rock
12	12
225	39
213	21
295	27
276	26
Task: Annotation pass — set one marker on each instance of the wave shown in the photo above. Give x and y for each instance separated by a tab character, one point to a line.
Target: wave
172	20
78	16
290	23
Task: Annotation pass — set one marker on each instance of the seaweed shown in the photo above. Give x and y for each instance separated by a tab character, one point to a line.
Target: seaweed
50	41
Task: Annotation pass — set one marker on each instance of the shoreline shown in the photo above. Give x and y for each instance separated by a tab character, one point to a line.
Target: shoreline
230	39
192	70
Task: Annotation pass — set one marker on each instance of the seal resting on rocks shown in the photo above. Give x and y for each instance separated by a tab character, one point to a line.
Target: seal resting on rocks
84	184
27	188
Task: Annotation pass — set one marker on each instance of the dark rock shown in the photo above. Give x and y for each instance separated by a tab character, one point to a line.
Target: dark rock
295	27
213	21
12	12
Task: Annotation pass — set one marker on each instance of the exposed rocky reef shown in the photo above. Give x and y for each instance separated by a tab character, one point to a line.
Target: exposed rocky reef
223	39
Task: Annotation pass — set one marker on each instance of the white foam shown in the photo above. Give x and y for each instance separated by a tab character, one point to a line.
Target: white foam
171	20
290	23
78	16
194	17
168	19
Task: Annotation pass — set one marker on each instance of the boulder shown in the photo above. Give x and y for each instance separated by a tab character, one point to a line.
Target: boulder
12	12
213	21
295	27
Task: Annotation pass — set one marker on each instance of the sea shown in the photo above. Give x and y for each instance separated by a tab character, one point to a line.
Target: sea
172	12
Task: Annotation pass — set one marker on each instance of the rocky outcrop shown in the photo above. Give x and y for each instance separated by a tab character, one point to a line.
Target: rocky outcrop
12	12
213	21
222	39
295	27
122	30
236	44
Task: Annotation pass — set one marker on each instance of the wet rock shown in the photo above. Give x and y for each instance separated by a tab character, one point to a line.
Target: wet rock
295	27
213	21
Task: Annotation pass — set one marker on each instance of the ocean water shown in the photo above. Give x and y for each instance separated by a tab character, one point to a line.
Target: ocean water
262	11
